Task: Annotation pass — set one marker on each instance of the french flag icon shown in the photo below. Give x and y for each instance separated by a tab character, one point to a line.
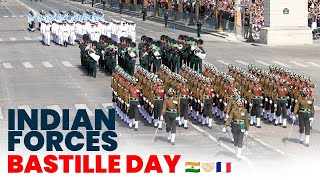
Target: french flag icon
223	167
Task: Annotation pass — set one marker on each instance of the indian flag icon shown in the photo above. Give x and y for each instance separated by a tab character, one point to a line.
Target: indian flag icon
193	167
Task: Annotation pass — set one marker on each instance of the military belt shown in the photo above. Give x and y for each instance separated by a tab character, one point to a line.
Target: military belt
257	97
238	121
158	98
282	98
171	110
304	110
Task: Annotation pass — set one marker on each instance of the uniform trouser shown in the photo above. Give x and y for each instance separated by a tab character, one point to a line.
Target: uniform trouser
156	65
207	109
31	25
256	107
192	62
71	38
113	66
93	68
292	106
266	104
144	65
158	104
184	107
133	110
304	123
120	61
282	108
198	64
170	119
237	135
272	108
47	38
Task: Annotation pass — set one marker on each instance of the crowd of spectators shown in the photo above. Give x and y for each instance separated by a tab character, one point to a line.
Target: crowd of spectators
207	9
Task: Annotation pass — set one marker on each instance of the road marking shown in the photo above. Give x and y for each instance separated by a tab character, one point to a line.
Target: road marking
47	64
5	16
66	63
1	115
263	63
7	65
27	109
281	64
84	106
13	39
27	64
316	108
21	16
242	62
56	108
223	62
298	64
13	16
27	38
313	64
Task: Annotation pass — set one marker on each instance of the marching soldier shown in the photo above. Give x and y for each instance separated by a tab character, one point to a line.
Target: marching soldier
281	104
131	58
239	116
305	108
31	20
256	103
144	56
169	112
200	54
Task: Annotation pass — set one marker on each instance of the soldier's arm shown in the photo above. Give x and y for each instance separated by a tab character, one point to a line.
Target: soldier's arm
229	119
164	107
246	121
296	107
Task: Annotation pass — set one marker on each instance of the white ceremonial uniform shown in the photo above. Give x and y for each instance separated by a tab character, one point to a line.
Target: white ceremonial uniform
47	33
72	35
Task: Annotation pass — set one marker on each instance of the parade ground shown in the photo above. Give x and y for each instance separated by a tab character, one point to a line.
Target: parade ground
34	76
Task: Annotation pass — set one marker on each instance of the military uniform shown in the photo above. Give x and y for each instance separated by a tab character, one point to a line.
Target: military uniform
169	111
305	108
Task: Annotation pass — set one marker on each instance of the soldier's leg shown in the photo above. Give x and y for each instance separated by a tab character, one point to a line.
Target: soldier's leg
185	114
168	126
301	126
307	128
173	128
240	143
196	64
278	114
284	115
258	109
94	69
200	65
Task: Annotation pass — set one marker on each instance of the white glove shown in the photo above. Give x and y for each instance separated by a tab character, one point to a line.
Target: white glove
275	105
295	101
266	99
292	99
149	103
191	97
202	104
287	104
152	105
250	104
144	98
311	119
225	104
198	101
128	105
213	95
161	117
261	97
294	119
245	101
224	130
139	106
288	97
227	116
270	101
220	100
246	133
217	95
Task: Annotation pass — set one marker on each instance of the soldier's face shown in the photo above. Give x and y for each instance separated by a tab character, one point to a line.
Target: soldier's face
239	104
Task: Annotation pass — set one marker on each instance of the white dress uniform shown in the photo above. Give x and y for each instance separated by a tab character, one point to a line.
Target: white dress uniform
65	32
42	31
91	32
97	32
133	32
47	33
72	35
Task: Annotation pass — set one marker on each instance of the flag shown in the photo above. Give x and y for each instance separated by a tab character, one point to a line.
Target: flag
193	167
223	167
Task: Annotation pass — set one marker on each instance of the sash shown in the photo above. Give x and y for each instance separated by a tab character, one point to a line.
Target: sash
160	92
283	91
184	91
132	89
209	91
258	90
231	88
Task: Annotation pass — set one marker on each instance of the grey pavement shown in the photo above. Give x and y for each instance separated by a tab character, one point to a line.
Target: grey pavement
37	76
